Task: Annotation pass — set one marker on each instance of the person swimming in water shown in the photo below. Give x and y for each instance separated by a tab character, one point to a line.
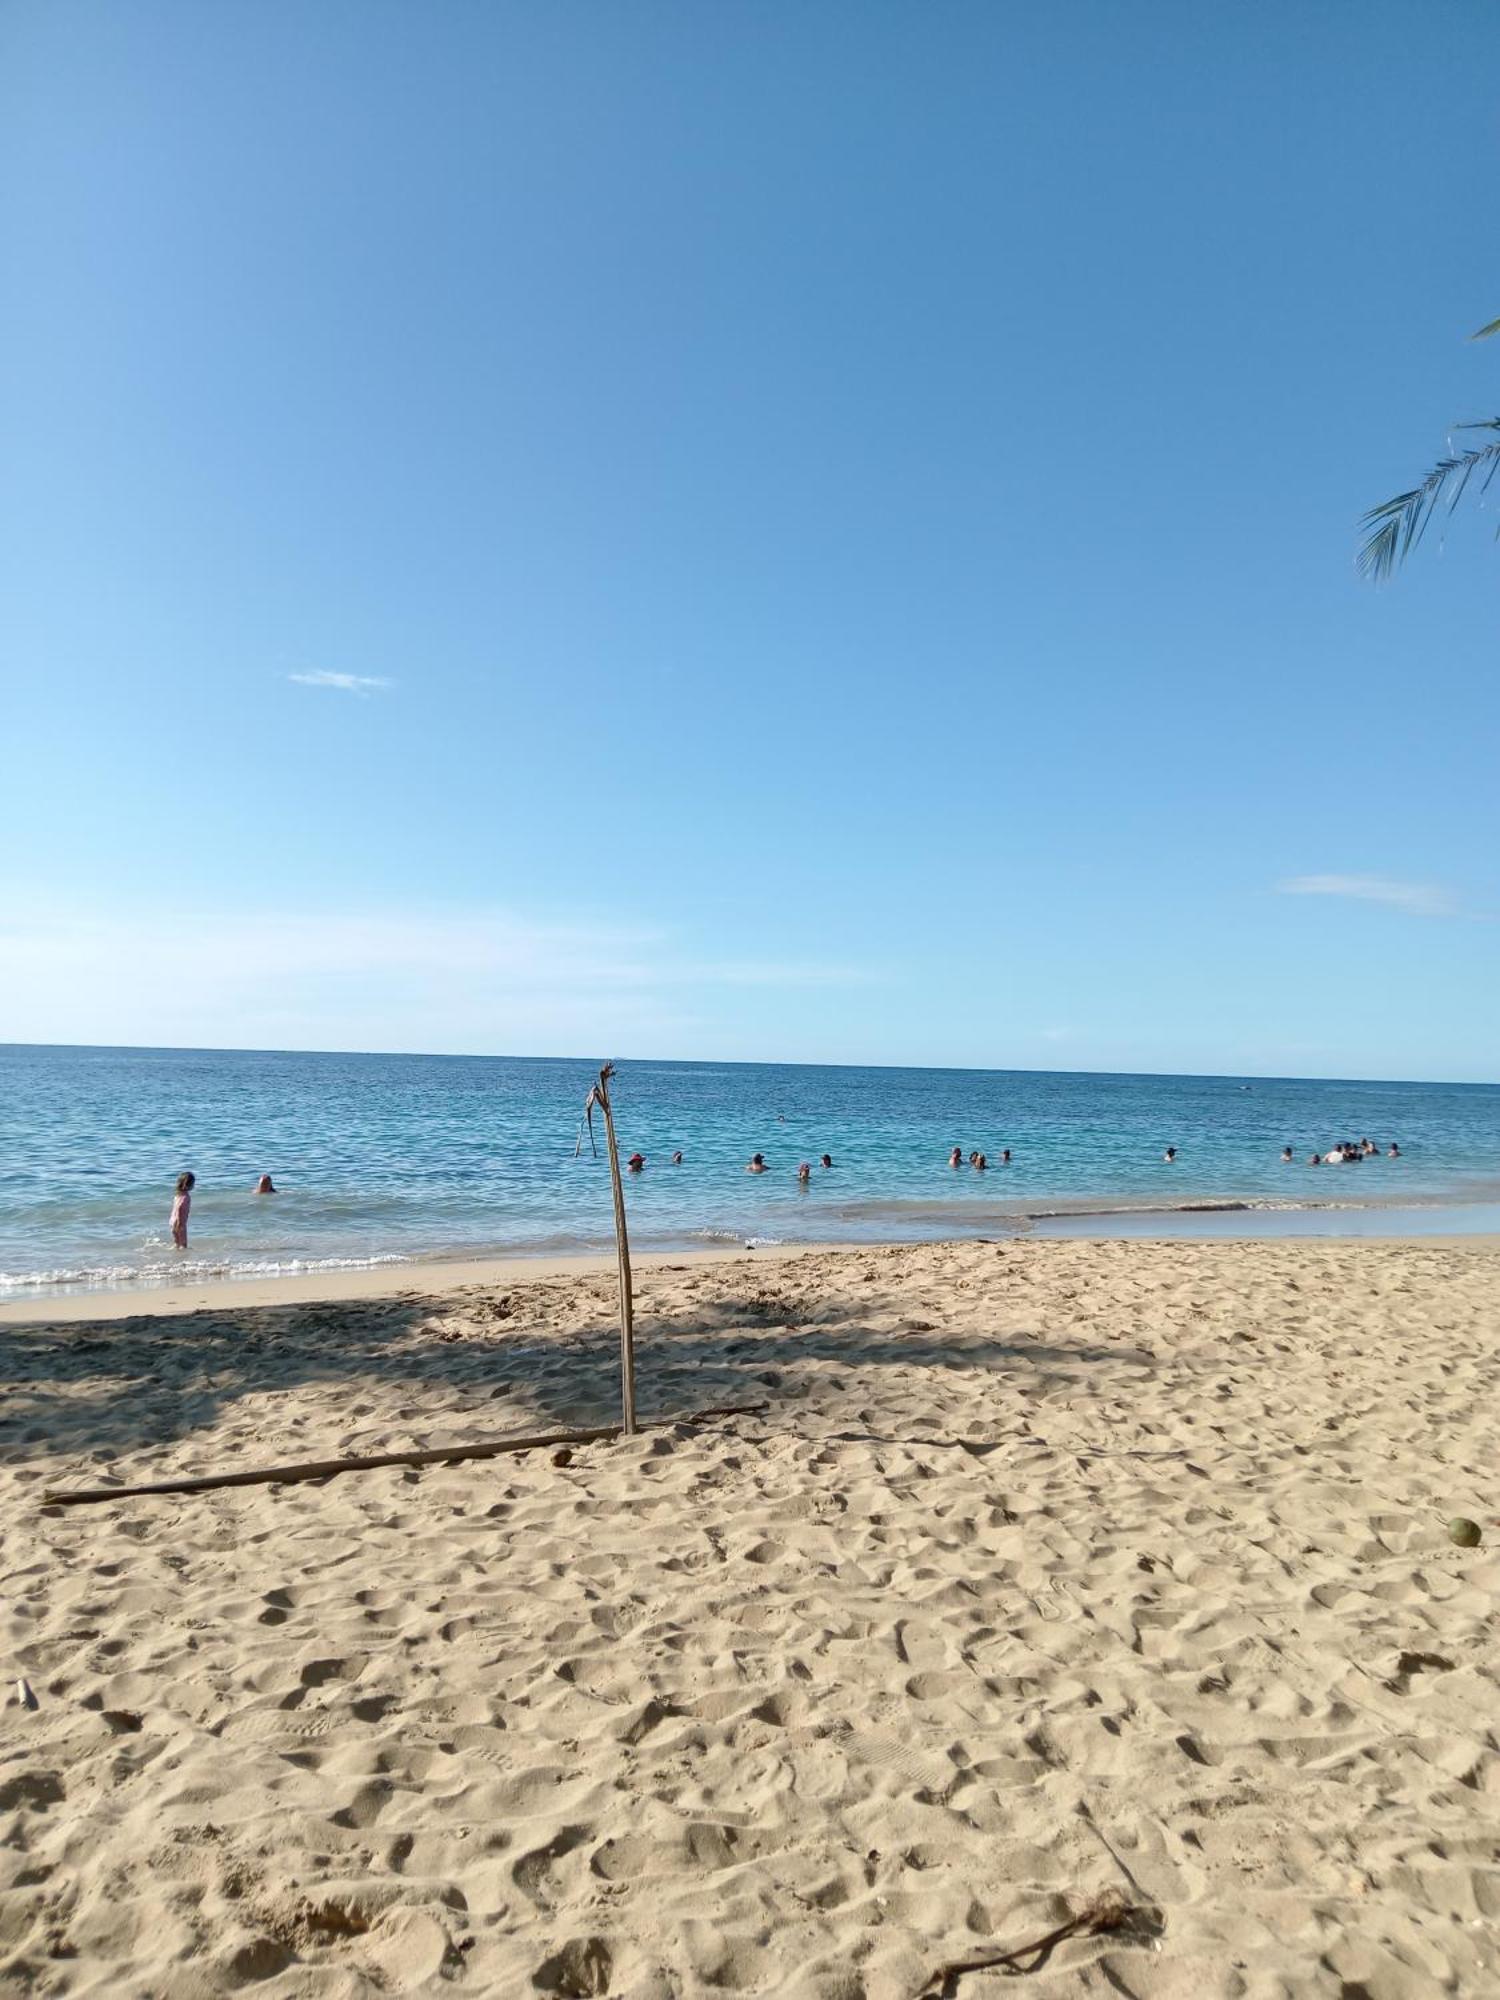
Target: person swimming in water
1005	1157
636	1162
265	1185
1286	1154
1170	1155
956	1158
826	1161
757	1164
980	1163
1393	1151
677	1159
804	1173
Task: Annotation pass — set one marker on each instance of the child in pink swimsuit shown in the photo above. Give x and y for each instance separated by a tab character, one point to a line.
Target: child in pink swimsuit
180	1207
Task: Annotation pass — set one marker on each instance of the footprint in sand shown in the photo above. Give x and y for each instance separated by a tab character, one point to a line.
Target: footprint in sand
533	1871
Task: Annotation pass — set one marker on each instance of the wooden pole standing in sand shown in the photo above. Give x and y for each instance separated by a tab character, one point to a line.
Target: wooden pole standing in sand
600	1095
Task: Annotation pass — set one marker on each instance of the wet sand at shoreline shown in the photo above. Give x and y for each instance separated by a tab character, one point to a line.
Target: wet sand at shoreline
1476	1224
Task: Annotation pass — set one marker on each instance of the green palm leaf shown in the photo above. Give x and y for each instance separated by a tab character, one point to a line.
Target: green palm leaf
1396	526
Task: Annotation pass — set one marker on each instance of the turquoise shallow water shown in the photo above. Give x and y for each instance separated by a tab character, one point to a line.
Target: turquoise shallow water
397	1157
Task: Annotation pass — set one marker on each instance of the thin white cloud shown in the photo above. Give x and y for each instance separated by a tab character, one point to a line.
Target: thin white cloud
345	683
1416	899
409	979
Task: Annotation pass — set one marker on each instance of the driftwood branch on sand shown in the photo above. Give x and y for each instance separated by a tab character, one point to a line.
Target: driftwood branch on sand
1107	1912
328	1468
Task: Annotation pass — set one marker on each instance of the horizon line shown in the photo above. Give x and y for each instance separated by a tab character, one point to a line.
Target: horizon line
748	1062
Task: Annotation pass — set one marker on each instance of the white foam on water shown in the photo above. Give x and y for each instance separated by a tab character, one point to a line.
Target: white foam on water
119	1277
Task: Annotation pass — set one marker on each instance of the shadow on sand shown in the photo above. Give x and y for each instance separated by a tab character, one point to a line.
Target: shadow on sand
463	1368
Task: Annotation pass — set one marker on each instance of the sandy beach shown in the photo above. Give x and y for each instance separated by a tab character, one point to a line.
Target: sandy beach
1039	1572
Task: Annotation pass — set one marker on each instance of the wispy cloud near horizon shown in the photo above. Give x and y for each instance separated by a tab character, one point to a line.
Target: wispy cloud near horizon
1415	899
457	980
345	683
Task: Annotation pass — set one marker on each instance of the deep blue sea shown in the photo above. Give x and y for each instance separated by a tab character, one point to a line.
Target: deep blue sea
404	1157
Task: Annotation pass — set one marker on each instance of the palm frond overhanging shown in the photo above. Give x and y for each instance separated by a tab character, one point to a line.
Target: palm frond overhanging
1395	527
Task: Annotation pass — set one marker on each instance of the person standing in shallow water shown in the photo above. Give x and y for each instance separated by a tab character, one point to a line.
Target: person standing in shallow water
183	1202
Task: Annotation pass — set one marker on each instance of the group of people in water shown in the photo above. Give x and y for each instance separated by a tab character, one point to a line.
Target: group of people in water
182	1203
975	1160
757	1164
1345	1154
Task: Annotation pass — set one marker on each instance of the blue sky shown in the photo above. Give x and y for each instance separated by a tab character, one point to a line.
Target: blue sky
782	530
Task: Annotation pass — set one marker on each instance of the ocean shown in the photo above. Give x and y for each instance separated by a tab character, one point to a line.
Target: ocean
392	1158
